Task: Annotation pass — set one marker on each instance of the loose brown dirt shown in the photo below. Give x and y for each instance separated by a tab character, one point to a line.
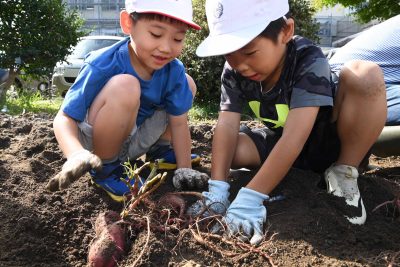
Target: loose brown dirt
40	228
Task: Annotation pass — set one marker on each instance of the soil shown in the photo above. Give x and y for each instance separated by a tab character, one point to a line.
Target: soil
40	228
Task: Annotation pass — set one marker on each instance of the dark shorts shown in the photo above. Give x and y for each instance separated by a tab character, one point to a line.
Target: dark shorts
319	152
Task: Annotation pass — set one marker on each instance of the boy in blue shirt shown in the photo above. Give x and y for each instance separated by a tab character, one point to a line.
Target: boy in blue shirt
131	99
312	122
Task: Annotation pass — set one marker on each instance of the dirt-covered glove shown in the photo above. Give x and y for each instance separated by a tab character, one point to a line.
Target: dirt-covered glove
78	164
186	178
215	200
246	216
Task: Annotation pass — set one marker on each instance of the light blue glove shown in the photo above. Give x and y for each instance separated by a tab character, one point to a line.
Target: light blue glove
246	215
215	200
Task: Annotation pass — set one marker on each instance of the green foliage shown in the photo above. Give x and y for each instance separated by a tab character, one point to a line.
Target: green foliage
38	32
203	111
207	71
33	102
305	24
365	11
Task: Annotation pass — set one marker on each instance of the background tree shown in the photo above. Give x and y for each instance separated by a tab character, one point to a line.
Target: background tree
207	71
305	23
34	36
365	11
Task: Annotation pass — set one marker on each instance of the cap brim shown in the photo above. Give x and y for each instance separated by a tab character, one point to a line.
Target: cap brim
191	24
229	42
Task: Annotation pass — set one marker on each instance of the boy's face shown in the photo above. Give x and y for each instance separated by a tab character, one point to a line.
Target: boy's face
260	60
155	43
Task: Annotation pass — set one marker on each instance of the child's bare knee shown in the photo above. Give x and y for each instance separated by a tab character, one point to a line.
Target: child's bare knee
192	84
246	153
121	86
363	77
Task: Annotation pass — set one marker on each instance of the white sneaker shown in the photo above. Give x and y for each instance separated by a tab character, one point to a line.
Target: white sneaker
341	181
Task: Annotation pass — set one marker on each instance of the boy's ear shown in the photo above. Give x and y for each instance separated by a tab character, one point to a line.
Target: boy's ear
288	31
126	22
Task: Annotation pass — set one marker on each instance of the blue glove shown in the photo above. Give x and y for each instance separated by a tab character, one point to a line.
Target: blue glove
247	215
215	200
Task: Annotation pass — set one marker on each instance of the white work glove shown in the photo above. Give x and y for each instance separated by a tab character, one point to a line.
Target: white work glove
186	178
246	216
78	164
215	200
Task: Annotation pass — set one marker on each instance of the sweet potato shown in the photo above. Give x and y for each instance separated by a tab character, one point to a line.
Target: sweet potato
176	202
109	244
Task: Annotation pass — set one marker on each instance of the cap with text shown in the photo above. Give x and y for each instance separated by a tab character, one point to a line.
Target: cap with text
234	23
177	9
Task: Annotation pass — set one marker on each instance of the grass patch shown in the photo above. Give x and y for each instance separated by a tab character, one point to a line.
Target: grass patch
203	112
207	112
32	102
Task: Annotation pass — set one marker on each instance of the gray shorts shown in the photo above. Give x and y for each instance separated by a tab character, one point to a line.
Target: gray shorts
139	140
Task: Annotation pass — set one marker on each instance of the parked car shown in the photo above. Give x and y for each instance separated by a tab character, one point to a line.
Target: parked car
23	82
65	73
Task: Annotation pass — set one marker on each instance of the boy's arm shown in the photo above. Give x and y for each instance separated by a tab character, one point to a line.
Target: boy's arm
224	144
297	129
66	132
79	160
247	212
181	140
184	177
223	148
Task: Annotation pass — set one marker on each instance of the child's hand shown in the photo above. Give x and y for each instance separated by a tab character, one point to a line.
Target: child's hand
189	179
77	165
215	200
246	215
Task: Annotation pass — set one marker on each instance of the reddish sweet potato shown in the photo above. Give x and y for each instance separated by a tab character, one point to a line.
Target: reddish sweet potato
176	202
109	244
105	219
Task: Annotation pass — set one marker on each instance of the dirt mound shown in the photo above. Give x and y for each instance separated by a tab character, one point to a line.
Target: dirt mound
39	228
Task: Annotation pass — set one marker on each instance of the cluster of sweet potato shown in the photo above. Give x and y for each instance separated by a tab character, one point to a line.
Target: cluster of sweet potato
109	244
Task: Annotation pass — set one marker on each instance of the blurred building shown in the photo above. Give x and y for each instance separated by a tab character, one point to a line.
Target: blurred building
101	16
336	23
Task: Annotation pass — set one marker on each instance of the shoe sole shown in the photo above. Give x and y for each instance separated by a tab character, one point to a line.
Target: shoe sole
359	205
172	166
116	198
360	220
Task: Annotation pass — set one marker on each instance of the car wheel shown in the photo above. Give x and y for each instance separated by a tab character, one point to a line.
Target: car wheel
43	86
44	89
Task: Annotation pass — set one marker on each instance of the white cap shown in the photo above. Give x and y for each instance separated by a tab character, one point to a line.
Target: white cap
234	23
177	9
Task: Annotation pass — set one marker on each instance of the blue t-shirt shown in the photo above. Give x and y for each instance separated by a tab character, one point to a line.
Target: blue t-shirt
168	88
